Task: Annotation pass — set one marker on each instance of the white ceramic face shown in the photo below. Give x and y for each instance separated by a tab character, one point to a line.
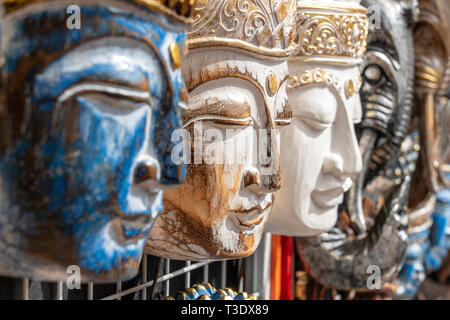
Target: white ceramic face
222	208
319	153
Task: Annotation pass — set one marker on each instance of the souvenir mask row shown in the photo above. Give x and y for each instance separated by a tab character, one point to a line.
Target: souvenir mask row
89	117
93	132
86	120
383	220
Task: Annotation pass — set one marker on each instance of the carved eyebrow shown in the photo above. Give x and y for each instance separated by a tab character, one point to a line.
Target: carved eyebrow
116	60
219	110
131	93
384	56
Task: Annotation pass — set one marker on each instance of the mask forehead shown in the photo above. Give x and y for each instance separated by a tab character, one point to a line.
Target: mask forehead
210	65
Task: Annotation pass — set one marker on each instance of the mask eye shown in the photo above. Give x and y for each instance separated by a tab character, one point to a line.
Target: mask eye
373	74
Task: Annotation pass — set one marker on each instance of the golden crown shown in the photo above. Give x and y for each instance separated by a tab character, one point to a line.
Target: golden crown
179	9
331	32
258	26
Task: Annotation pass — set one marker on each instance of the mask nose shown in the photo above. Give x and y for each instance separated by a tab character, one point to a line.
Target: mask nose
251	179
146	171
270	173
259	184
147	175
271	183
142	195
265	178
345	160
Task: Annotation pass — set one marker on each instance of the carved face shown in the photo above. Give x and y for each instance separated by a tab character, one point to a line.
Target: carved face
221	209
386	94
372	221
86	120
319	151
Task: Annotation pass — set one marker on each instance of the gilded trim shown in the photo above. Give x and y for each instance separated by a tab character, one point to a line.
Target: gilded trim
177	9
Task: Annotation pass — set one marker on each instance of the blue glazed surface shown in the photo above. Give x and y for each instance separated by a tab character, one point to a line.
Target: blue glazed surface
89	111
425	256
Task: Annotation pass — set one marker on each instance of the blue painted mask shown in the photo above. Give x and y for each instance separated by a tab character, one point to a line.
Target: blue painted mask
86	120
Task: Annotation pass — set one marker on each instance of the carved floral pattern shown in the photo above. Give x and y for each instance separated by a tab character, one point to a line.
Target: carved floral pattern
333	34
259	23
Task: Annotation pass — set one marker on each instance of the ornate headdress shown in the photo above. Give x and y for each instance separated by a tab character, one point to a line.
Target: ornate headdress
430	75
258	26
178	9
331	31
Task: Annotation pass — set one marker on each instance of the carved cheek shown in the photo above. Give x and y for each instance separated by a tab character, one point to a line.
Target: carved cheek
193	197
227	181
116	141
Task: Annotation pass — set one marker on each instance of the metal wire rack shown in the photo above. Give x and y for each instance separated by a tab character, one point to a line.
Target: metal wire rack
157	279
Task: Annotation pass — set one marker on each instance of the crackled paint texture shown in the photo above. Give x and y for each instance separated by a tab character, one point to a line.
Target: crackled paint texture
86	121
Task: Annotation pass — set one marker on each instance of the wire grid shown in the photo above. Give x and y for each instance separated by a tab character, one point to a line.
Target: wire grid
250	274
164	279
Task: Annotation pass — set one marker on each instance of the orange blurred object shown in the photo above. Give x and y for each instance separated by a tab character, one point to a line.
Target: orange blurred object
282	269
